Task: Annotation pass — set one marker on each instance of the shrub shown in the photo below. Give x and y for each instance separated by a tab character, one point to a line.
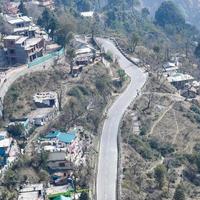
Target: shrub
195	109
163	148
141	147
75	92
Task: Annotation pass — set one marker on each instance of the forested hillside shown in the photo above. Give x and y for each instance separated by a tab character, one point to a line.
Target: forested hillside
190	8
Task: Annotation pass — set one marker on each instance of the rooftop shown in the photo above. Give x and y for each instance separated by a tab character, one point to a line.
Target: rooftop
44	96
63	137
40	112
87	14
17	20
180	77
31	192
32	41
12	37
83	50
5	142
21	40
56	156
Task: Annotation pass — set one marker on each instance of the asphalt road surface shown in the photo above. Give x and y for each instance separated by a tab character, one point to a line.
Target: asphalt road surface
108	154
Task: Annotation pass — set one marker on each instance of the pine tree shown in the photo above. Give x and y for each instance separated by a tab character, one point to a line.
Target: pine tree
179	193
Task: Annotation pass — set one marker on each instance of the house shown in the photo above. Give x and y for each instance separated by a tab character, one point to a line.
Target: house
46	99
76	70
41	116
20	25
57	162
21	50
84	51
170	69
179	80
25	122
33	192
61	137
5	147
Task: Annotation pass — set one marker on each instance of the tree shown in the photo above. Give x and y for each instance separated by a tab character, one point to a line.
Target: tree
179	193
122	75
134	41
10	179
84	196
159	174
22	8
145	12
169	14
197	51
17	130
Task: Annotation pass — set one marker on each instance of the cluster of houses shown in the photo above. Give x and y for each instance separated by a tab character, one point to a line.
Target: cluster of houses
84	54
23	41
64	148
186	84
12	7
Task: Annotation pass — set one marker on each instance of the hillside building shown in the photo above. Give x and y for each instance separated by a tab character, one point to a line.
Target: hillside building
21	50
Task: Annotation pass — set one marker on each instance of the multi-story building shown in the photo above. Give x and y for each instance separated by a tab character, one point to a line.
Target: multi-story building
21	50
20	25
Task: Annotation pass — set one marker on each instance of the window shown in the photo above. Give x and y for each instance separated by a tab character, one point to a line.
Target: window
61	164
12	51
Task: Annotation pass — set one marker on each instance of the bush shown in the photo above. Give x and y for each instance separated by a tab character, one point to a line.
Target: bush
141	147
108	56
163	148
84	90
195	109
78	92
75	92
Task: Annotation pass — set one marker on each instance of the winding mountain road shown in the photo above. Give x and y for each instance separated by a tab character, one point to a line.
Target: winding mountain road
108	154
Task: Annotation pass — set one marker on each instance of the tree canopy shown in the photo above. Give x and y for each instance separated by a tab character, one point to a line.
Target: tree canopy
179	193
169	14
22	8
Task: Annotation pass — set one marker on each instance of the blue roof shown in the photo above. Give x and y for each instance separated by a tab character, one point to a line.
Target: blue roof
66	137
63	137
52	134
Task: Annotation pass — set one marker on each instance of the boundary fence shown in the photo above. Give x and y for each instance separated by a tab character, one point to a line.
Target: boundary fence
46	57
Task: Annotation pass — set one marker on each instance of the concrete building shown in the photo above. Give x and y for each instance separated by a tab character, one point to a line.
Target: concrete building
46	99
41	116
179	80
33	192
20	25
21	50
57	162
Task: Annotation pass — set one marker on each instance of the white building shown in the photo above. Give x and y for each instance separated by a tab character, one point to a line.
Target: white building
46	99
32	192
